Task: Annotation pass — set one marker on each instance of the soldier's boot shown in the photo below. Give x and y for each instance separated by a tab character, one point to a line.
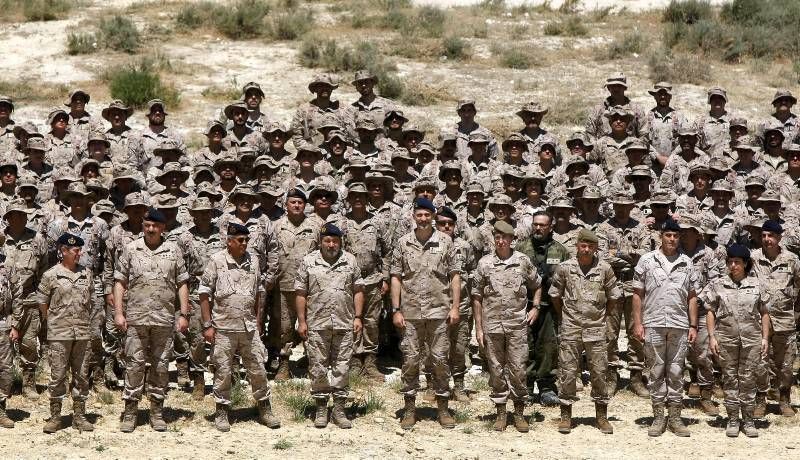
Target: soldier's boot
409	418
283	370
79	421
760	409
748	426
29	384
128	423
339	416
221	422
199	386
109	375
706	404
659	424
601	418
321	417
519	417
500	421
157	415
565	424
183	372
54	423
732	430
637	386
675	423
356	366
694	390
785	404
612	380
370	369
443	413
458	390
5	422
265	415
773	394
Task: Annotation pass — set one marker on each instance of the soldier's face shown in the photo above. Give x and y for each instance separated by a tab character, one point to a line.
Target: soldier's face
448	150
616	90
641	184
136	213
700	182
585	249
794	159
501	212
375	189
5	111
783	105
445	225
8	175
77	104
663	98
252	98
17	219
323	202
562	215
478	150
618	124
532	120
771	208
268	201
28	193
90	172
117	118
511	184
330	246
774	139
337	147
717	103
97	150
770	240
357	200
533	190
244	203
452	178
422	217
736	267
215	136
411	140
239	117
577	148
157	116
306	159
547	153
295	206
687	143
276	140
502	241
395	123
669	241
622	211
70	254
152	230
173	181
426	192
237	245
322	91
514	151
367	136
365	87
690	237
202	216
737	131
467	113
754	192
79	203
60	123
660	211
475	199
542	227
721	199
635	156
424	157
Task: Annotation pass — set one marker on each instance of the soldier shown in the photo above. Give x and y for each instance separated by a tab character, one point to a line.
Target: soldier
232	280
675	175
662	121
368	103
609	152
152	272
597	125
330	311
119	134
62	145
778	271
532	132
664	308
253	96
714	128
7	125
505	284
25	252
8	291
239	134
546	254
467	126
152	136
782	102
738	327
65	304
309	115
215	133
9	172
426	288
81	122
583	291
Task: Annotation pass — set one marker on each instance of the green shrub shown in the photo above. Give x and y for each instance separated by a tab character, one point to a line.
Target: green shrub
430	20
81	43
455	48
244	19
678	68
120	34
630	43
45	10
291	25
516	58
572	27
687	11
138	83
192	15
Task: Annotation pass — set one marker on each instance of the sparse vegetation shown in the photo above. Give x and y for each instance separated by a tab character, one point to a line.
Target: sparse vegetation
462	414
571	27
31	90
138	83
687	11
290	25
624	46
81	43
455	48
34	10
120	34
371	402
517	58
239	396
678	68
282	444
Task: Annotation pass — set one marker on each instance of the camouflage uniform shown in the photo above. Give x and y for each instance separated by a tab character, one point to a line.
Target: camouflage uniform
7	293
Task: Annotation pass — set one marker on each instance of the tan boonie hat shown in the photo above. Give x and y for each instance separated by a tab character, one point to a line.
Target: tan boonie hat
35	143
465	102
246	151
659	87
412	128
591	192
362	75
503	227
233	106
770	196
757	219
164	201
513	171
774	125
722	185
446	135
306	147
208	189
401	153
617	78
97	136
324	79
687	129
134	199
64	173
367	123
582	137
9	161
252	85
745	143
86	162
201	203
156	102
172	168
662	197
356	162
696	168
532	107
7	100
579	183
514	138
691	222
51	117
229	158
167	145
277	127
534	177
123	171
577	162
74	93
478	137
16	205
587	236
784	93
718	164
356	187
266	161
337	134
708	224
425	182
636	144
27	181
475	187
622	111
500	199
562	202
116	104
738	121
451	165
622	197
754	180
104	207
394	113
324	185
269	189
215	124
76	189
717	91
27	128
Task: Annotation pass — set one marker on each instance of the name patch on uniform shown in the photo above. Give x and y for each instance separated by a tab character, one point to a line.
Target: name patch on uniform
553	261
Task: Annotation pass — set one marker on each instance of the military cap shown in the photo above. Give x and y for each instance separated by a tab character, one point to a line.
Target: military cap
337	134
513	171
425	182
446	135
722	185
235	229
215	124
323	79
243	190
716	163
383	167
562	202
297	193
267	162
577	162
233	106
267	188
70	240
76	189
134	199
356	162
401	153
621	111
738	250
155	215
208	189
591	192
228	158
28	128
583	138
16	205
745	143
503	227
447	213
662	197
697	168
277	127
687	129
35	144
670	225
532	107
201	203
793	148
366	123
775	126
514	138
717	91
27	181
708	224
533	177
394	113
622	197
424	203
738	121
475	187
116	104
364	74
323	186
375	176
464	102
330	229
754	180
547	140
152	103
164	201
587	236
356	187
167	145
412	128
172	167
691	222
661	86
451	165
103	207
772	226
770	196
636	144
97	136
55	113
617	78
75	93
64	173
756	220
203	168
123	171
96	185
784	93
252	85
7	100
478	137
424	147
246	151
8	161
579	183
500	199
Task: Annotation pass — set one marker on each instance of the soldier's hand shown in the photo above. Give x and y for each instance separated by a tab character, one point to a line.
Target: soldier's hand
713	346
210	335
398	320
638	332
302	330
110	300
182	325
13	335
384	288
479	337
120	322
357	326
532	316
764	348
453	317
692	335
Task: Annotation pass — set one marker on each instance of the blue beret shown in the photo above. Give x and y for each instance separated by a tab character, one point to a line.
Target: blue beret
772	226
235	229
670	225
296	193
330	230
154	215
447	213
739	250
68	239
424	203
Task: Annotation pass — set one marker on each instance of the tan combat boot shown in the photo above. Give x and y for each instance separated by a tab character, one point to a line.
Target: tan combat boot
675	423
265	415
29	385
128	423
519	417
283	370
5	422
338	414
659	424
443	412
321	416
409	418
706	404
199	386
565	424
500	422
748	426
732	430
760	409
79	421
601	418
693	391
221	422
637	385
370	369
157	415
785	403
183	372
458	390
54	423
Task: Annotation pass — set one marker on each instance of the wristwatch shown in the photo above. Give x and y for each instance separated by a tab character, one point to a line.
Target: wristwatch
359	317
207	325
395	309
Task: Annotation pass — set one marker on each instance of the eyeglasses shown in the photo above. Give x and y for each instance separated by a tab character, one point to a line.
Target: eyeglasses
445	224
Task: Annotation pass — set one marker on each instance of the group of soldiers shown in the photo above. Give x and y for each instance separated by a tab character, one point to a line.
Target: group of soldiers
350	233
